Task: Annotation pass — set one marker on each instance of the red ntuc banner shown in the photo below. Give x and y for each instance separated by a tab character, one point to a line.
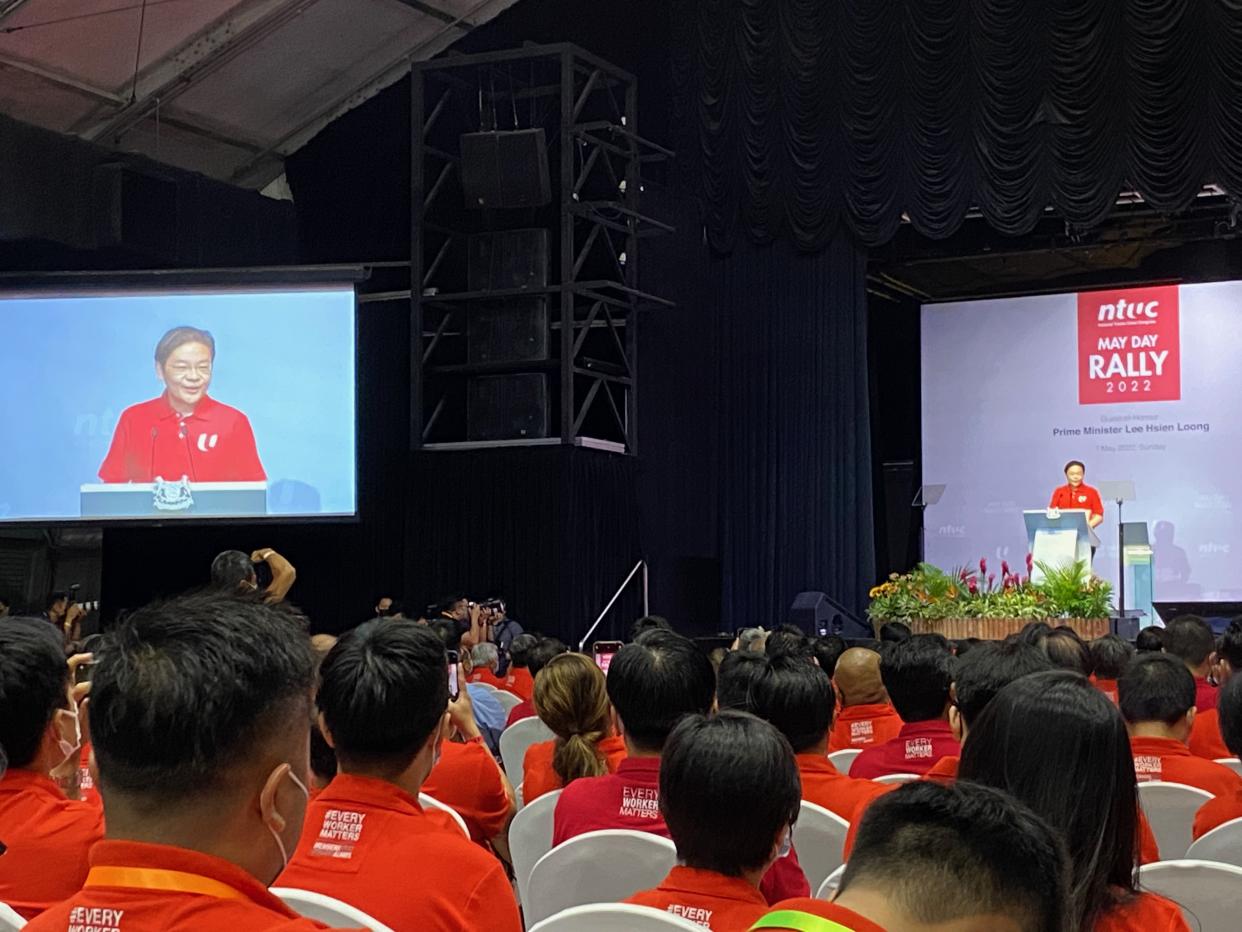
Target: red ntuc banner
1129	346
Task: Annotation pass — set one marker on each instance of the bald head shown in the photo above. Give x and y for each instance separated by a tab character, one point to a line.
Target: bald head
857	677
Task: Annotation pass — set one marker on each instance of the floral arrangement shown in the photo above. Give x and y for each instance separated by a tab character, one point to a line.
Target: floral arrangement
929	593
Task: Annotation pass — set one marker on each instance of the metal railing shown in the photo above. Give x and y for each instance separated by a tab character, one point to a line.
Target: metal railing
640	565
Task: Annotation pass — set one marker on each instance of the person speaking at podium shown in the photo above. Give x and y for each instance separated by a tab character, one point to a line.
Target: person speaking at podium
1077	494
183	432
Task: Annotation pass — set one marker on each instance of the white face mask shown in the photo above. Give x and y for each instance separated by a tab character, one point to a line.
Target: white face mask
786	845
284	855
70	748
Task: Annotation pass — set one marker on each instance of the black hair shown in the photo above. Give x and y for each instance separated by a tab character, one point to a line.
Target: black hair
34	683
963	646
1067	650
943	852
542	653
1078	463
796	697
185	689
446	604
53	598
738	671
894	632
828	649
990	667
917	674
395	607
230	569
520	648
1229	646
1057	744
180	336
1229	711
1155	688
649	623
656	680
1150	639
383	689
322	757
789	643
1189	638
447	631
1109	656
1034	632
730	763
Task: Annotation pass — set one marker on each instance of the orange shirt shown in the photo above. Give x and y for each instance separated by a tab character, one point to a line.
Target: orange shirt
49	839
849	920
1205	738
1144	912
1171	761
712	900
468	778
539	778
1066	496
859	726
369	843
824	785
226	896
1222	808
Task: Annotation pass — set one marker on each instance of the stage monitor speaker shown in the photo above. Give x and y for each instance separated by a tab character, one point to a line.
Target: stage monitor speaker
507	407
516	331
507	259
505	168
817	615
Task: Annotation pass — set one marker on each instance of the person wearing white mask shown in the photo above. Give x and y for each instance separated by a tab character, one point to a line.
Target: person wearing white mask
47	836
199	708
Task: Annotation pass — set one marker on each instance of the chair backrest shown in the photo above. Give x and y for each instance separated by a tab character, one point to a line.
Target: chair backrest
828	889
488	686
894	778
843	760
1222	844
1232	763
597	867
514	741
430	801
819	837
506	699
614	917
1170	809
10	921
328	910
1209	894
530	837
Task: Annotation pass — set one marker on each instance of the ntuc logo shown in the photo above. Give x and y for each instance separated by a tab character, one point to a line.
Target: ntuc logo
1128	310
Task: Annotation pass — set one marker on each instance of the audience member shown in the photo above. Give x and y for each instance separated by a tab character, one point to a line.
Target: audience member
47	836
737	672
963	646
649	623
1225	806
1109	656
1157	698
1189	639
917	674
388	607
322	757
1150	639
6	604
954	858
383	701
233	571
828	649
793	643
1054	742
731	763
489	714
484	662
571	698
1034	632
894	632
754	640
198	710
866	717
501	630
1067	650
538	657
1205	734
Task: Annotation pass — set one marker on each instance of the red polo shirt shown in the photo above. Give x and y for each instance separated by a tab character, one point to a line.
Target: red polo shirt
1143	912
1066	496
1206	695
860	726
519	682
945	770
49	839
712	900
824	785
487	678
86	780
847	919
1171	761
214	444
369	843
916	749
1205	737
164	888
1107	687
1222	808
539	778
524	709
467	778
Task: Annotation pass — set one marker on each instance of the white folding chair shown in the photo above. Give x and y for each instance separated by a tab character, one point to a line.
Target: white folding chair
506	699
514	742
328	910
843	760
614	917
530	837
1222	844
894	778
1209	894
1170	809
819	837
10	921
430	801
828	889
597	867
1232	763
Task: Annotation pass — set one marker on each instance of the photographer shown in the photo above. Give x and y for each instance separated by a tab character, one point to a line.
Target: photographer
500	629
234	571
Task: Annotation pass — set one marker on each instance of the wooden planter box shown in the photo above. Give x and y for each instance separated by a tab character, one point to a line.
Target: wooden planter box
996	629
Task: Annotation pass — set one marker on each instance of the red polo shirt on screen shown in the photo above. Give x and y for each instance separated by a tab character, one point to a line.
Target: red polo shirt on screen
49	839
916	749
860	726
1143	912
1206	694
539	778
824	785
214	444
1084	496
709	899
1205	737
136	887
1171	761
846	919
467	778
369	843
524	709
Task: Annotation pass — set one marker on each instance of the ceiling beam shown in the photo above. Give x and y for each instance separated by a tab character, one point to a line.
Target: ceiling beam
182	68
436	12
62	80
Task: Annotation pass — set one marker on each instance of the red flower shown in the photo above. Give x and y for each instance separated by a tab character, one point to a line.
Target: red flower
1030	561
983	566
973	588
991	580
1004	568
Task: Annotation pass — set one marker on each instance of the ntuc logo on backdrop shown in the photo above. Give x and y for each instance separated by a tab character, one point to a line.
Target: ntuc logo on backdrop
1129	346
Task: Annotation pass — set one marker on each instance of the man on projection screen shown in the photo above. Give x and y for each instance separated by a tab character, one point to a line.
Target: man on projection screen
183	432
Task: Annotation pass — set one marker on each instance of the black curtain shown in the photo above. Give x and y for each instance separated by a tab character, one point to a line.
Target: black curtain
801	115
